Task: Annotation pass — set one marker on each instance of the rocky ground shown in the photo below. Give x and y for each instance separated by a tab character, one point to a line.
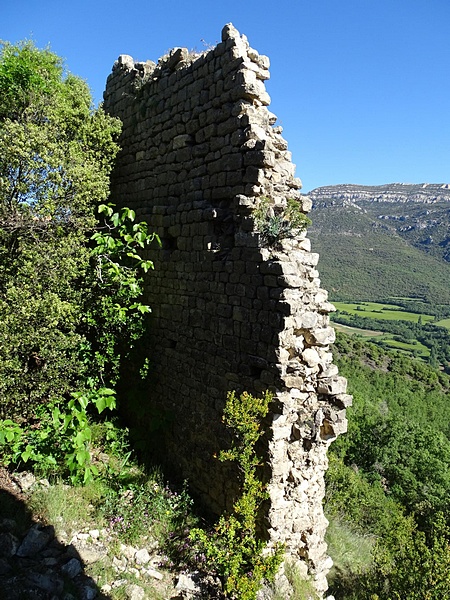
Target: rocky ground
36	564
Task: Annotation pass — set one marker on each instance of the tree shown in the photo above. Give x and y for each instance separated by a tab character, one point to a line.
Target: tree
69	264
419	569
65	291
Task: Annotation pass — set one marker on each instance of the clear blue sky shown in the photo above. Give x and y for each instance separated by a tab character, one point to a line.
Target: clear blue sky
361	87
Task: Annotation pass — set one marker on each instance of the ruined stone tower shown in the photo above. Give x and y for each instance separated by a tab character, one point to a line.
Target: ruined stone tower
235	294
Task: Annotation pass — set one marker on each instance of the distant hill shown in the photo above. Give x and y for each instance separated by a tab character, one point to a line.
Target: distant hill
383	241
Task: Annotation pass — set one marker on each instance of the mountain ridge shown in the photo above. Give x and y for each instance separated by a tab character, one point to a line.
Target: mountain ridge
400	192
380	241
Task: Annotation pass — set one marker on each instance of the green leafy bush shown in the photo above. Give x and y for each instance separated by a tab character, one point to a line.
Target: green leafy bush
59	439
417	570
70	265
233	550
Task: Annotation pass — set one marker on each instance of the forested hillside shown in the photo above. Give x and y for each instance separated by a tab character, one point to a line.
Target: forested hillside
388	493
386	241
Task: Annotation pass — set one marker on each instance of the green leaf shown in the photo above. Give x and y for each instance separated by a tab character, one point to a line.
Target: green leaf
10	435
82	457
82	436
103	208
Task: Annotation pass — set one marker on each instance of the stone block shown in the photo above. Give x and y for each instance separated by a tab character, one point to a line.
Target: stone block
332	386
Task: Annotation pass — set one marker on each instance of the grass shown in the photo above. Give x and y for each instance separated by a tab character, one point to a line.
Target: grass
366	333
414	347
350	550
68	508
104	573
302	589
143	518
128	505
132	509
375	310
444	323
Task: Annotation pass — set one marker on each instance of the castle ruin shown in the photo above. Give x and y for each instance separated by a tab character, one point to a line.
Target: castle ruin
235	295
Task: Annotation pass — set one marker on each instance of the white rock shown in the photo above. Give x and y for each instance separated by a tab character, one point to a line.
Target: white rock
128	551
154	573
25	480
120	564
311	357
186	583
135	592
142	557
134	572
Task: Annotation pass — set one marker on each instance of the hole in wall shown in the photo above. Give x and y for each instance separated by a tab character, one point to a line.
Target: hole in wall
223	235
168	244
255	372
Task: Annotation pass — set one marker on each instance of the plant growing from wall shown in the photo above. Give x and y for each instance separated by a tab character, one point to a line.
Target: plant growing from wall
275	223
233	549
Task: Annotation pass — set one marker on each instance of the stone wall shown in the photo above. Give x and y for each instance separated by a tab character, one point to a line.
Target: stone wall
231	310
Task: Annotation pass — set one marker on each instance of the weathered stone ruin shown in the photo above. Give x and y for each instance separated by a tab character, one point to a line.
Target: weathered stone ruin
233	309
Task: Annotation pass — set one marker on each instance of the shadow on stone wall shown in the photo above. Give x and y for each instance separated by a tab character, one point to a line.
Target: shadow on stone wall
34	564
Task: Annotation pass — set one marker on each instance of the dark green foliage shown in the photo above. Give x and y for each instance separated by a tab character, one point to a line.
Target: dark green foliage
55	158
354	498
233	550
70	265
390	475
399	427
417	570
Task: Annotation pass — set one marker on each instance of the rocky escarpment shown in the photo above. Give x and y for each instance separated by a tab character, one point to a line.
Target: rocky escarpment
418	213
422	193
388	241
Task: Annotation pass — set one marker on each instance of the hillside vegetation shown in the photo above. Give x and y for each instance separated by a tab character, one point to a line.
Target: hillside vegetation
388	485
385	240
384	257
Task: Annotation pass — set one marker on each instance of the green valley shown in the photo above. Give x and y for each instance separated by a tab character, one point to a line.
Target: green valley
384	258
417	334
375	310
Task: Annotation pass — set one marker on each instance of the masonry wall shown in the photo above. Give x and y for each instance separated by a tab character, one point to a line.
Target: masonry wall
231	311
